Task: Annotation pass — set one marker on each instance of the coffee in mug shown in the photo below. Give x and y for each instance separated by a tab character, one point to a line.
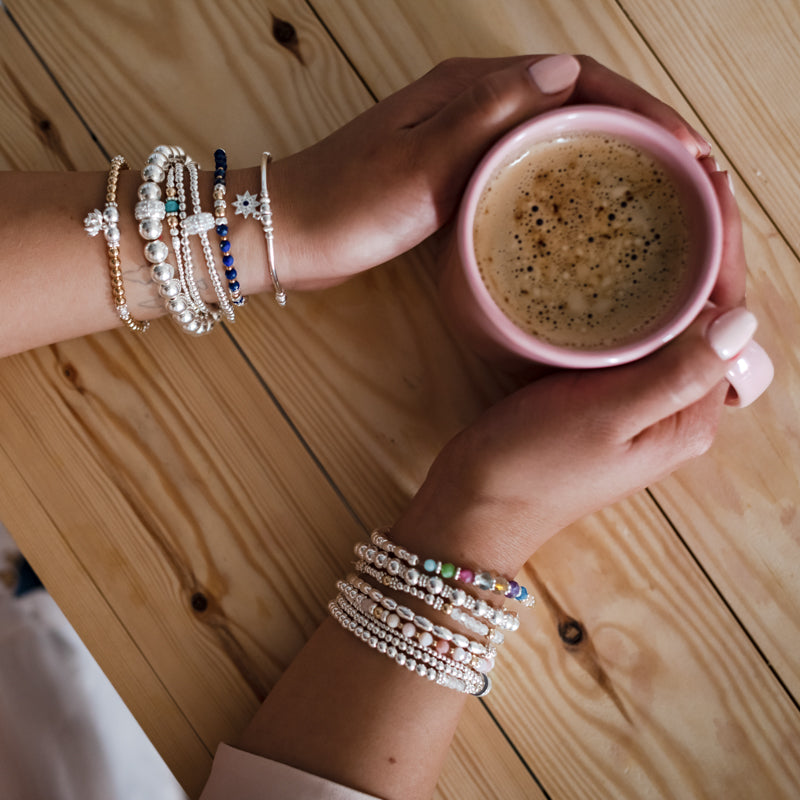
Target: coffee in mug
587	237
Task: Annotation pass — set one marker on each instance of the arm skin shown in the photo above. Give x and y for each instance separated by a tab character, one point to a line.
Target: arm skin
496	492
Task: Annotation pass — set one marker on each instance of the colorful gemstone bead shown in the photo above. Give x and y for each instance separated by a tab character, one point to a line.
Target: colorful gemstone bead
466	576
500	585
429	565
447	570
523	594
483	580
513	589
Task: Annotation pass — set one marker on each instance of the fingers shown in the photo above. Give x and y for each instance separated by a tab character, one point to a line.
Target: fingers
598	84
683	372
496	102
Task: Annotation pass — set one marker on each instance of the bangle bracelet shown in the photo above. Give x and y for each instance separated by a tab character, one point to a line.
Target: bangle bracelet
265	217
107	223
481	579
221	225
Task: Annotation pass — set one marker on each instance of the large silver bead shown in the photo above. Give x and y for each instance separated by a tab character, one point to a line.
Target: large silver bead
198	222
111	233
156	252
186	317
149	191
170	289
111	214
157	158
150	229
178	304
152	172
192	326
162	272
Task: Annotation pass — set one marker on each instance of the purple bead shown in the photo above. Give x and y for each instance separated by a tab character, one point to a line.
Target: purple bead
466	576
227	260
513	589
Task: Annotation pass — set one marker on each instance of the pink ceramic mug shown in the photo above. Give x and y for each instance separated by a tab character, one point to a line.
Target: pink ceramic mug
472	309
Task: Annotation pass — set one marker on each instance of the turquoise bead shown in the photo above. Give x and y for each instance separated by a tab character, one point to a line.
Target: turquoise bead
429	565
171	206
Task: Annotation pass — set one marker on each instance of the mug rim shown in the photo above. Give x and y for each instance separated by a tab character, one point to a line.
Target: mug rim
621	124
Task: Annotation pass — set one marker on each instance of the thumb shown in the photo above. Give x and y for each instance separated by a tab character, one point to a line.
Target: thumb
498	101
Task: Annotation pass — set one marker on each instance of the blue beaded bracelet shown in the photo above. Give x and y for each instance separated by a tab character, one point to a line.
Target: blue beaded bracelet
221	224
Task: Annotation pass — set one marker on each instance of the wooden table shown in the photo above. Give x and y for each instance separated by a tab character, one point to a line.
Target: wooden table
168	490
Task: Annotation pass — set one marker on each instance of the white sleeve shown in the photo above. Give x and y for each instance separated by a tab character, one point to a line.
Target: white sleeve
245	776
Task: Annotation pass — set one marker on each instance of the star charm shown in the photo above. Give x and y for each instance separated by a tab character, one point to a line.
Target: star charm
246	204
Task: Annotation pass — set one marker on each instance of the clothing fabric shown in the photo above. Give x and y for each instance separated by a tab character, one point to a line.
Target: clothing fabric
245	776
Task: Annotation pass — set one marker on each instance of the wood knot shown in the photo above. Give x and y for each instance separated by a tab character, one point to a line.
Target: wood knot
285	34
199	602
570	631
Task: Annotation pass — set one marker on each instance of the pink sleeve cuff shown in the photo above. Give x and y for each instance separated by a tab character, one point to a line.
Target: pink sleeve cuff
245	776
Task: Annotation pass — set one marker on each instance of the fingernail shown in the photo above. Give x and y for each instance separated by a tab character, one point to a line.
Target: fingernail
729	333
709	163
730	184
555	74
703	143
750	373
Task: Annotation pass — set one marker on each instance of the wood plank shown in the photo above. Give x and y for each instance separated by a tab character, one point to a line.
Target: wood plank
140	516
746	93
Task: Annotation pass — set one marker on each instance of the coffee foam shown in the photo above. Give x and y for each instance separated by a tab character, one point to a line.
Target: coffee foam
583	242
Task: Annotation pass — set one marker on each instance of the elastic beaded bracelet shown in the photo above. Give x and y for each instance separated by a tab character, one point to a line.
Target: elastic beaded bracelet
107	223
221	223
434	584
416	659
413	625
480	579
150	212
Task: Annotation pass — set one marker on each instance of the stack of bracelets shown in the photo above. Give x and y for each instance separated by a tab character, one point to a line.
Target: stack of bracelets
447	657
181	207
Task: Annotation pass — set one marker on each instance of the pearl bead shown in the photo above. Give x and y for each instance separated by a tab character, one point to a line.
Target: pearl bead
408	630
156	252
392	620
425	639
459	655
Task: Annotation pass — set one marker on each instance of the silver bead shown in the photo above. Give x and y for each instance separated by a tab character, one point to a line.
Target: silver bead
162	272
150	229
111	214
186	317
412	577
150	209
164	149
152	172
149	191
458	598
157	158
170	288
156	252
111	233
198	223
177	304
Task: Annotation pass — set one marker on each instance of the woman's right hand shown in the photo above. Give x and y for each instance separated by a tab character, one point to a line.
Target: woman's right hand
573	442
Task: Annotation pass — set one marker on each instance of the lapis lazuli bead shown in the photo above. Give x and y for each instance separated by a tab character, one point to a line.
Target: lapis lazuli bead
222	230
225	246
219	154
171	206
234	286
227	260
429	565
230	274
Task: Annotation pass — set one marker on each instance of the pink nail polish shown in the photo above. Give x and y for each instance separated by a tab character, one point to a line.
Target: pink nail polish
750	373
730	184
555	74
729	333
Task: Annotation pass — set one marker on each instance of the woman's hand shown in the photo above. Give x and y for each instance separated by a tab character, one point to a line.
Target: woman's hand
573	442
391	177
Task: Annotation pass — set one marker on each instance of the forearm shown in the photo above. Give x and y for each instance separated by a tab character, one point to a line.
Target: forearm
54	279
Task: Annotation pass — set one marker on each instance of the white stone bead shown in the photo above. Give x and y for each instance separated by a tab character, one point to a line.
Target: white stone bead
392	620
408	630
425	639
459	654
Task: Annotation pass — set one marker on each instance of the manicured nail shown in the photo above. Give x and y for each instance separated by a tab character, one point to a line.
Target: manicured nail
729	333
709	163
750	373
730	184
555	74
702	142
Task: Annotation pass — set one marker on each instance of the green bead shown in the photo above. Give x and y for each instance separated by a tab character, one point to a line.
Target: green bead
447	571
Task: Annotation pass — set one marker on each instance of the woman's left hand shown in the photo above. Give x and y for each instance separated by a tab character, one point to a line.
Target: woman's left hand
390	178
